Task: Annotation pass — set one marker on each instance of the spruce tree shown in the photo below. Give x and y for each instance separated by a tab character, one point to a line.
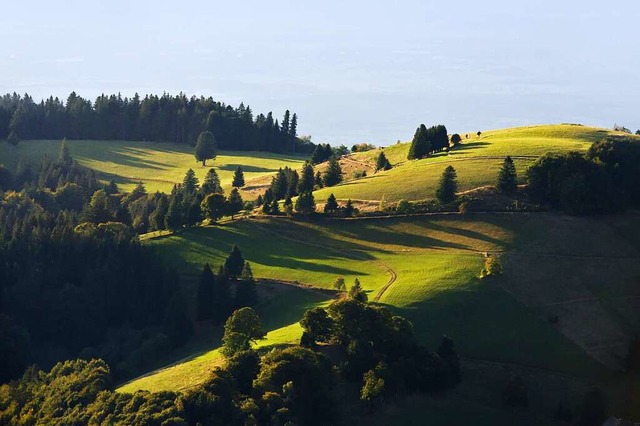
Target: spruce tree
174	217
382	163
332	204
305	203
190	182
234	264
238	178
211	183
349	210
206	286
306	182
206	147
333	174
156	219
418	147
507	177
234	203
357	293
318	180
246	291
222	301
275	207
317	156
448	186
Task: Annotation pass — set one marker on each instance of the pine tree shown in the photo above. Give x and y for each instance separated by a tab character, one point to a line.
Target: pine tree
64	157
349	210
193	210
234	203
286	123
206	286
357	293
305	203
156	219
238	178
507	178
306	181
190	182
332	204
206	147
234	264
211	183
266	202
418	147
382	163
246	291
333	174
448	186
174	217
318	180
222	301
317	156
275	207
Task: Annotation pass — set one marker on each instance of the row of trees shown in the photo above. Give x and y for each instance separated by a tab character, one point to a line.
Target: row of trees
153	118
427	141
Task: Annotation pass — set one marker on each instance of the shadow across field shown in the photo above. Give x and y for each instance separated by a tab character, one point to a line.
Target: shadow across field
245	168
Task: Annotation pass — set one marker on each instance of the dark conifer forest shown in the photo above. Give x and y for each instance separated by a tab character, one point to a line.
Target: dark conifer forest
153	118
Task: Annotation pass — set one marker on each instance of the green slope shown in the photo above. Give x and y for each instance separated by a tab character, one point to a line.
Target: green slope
158	165
436	262
477	161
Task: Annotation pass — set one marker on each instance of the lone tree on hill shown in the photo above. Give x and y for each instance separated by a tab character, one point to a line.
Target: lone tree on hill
456	139
333	174
234	264
13	138
238	178
332	204
206	147
382	163
479	133
507	178
448	186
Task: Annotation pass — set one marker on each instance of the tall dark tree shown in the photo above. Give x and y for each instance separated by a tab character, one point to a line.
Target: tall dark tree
234	264
206	147
238	178
246	291
447	353
234	203
306	182
420	144
206	286
305	203
507	177
332	204
211	184
177	324
190	182
174	218
382	163
333	175
448	186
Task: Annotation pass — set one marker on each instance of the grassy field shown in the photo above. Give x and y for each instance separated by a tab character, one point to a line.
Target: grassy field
436	262
158	165
477	161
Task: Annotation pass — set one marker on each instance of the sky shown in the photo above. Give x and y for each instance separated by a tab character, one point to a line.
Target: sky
353	71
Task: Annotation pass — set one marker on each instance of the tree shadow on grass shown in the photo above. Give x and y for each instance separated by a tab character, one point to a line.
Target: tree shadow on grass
245	168
468	146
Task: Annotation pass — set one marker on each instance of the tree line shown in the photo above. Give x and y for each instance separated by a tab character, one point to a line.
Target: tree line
165	118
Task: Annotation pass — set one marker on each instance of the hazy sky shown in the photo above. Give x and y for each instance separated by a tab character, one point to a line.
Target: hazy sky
353	70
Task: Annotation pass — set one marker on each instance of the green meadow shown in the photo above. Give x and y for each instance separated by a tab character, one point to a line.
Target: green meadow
157	165
424	268
476	160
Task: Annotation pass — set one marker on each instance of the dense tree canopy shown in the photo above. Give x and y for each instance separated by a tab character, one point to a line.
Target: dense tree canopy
163	118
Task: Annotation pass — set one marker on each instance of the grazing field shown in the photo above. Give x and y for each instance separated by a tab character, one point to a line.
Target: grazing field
427	268
476	160
158	165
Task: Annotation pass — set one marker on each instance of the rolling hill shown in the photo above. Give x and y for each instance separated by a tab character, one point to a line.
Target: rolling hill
158	165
